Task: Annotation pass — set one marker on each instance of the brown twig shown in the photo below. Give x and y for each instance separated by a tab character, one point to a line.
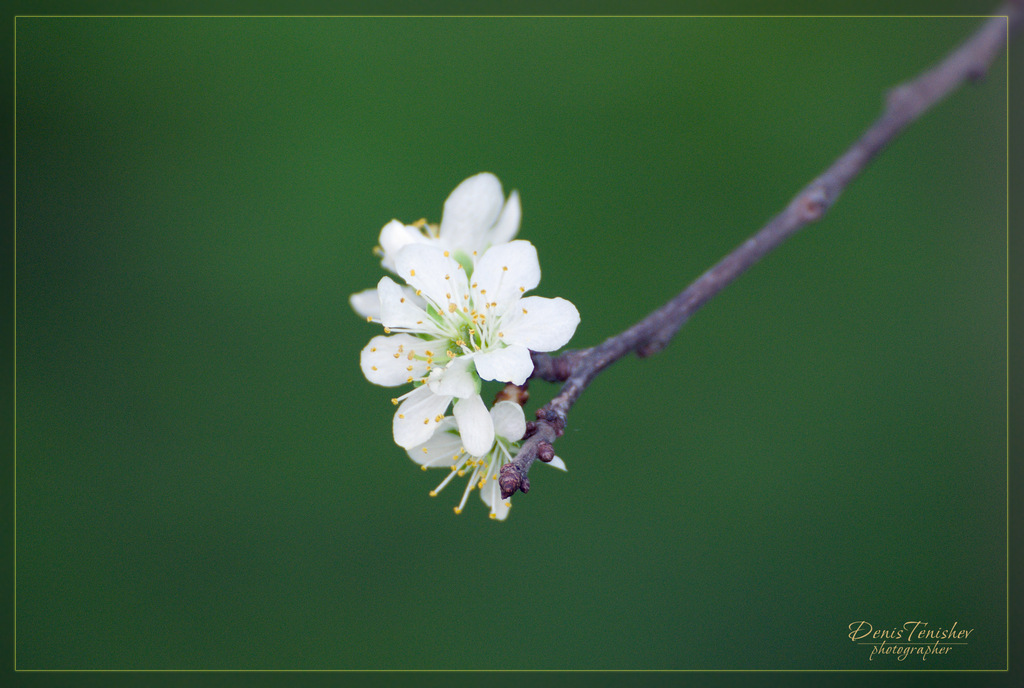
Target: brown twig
904	104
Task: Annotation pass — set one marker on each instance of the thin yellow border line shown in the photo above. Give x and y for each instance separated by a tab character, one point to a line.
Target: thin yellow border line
1007	342
515	671
14	337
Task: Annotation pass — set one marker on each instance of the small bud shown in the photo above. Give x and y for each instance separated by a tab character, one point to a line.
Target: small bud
511	392
545	452
508	482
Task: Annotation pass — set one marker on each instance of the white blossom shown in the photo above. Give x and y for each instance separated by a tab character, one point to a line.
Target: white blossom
461	324
476	216
445	449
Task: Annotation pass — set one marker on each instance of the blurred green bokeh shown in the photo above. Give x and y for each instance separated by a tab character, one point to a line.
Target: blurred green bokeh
205	480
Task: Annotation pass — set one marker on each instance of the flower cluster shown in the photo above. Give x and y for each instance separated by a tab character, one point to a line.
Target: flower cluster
462	316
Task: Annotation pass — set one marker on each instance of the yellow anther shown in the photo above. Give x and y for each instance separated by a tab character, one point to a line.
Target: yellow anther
446	254
439	418
401	300
395	402
419	292
373	348
412	355
483	291
492	515
412	273
401	348
397	355
472	331
522	288
419	322
507	505
426	421
425	451
465	296
447	296
452	308
504	268
474	285
433	493
465	310
373	367
387	330
423	467
428	352
409	368
369	319
525	311
401	416
458	510
461	473
455	467
448	277
408	379
460	343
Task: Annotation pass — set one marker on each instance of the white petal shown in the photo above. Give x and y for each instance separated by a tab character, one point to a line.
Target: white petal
416	418
541	324
443	447
507	226
396	236
399	308
366	303
475	425
457	379
491	494
510	364
438	276
470	211
506	271
509	420
381	367
557	463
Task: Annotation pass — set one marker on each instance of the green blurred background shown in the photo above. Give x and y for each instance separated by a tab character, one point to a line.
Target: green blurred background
206	481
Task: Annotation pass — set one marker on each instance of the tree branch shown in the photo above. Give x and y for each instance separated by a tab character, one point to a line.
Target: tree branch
904	104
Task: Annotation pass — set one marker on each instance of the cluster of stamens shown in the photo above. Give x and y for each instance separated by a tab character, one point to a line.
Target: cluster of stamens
463	464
